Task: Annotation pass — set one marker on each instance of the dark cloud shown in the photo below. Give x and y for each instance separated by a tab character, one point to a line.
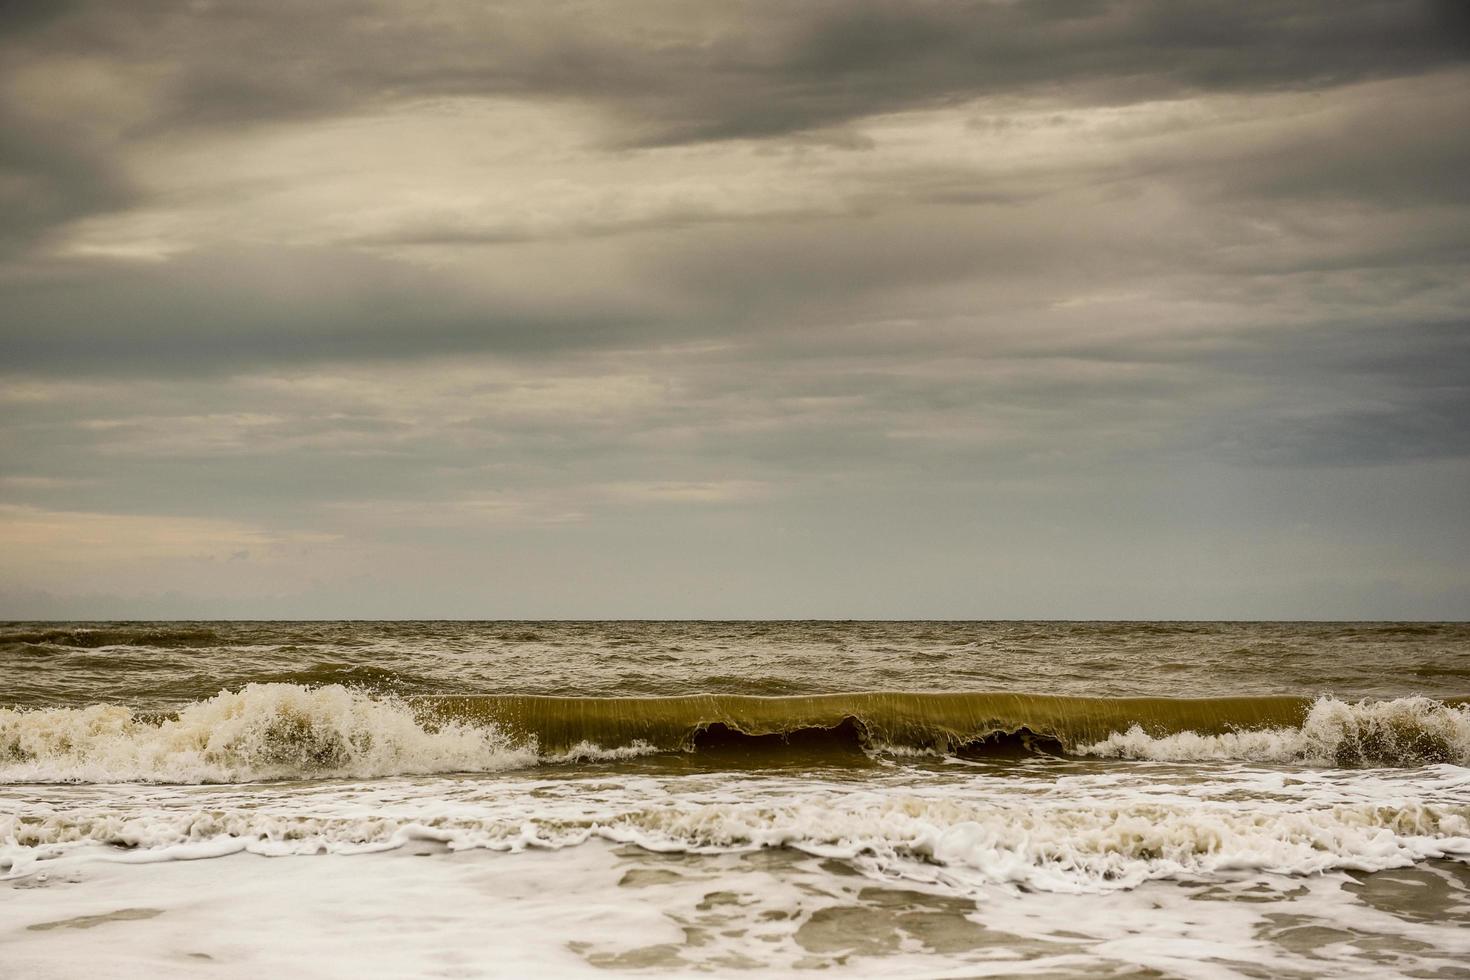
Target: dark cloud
854	59
668	73
748	69
49	177
19	16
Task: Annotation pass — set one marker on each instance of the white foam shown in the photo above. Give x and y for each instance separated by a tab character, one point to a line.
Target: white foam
1403	731
1047	845
263	731
595	909
590	752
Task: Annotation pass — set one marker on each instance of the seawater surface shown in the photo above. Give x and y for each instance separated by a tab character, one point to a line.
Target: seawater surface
903	799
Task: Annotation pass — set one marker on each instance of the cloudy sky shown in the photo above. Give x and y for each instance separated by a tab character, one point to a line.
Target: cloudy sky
1006	308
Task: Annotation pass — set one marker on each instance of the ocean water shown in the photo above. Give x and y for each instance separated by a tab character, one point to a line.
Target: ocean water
790	799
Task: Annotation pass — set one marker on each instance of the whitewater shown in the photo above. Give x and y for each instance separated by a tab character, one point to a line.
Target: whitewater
375	799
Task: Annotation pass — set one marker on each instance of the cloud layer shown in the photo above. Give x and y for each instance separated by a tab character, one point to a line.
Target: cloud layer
1004	308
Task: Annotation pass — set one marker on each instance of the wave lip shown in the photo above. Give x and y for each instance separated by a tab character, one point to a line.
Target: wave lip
290	731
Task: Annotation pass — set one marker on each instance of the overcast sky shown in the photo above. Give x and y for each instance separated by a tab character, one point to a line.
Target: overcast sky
995	309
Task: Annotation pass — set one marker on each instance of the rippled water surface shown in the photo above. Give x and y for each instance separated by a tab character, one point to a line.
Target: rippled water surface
162	665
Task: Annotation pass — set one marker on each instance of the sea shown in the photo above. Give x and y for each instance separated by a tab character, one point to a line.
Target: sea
792	799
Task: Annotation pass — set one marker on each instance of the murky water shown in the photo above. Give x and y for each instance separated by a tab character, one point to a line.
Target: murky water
916	799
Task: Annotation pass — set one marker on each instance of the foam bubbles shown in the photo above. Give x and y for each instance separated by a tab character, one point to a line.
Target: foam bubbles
261	732
1401	732
1090	847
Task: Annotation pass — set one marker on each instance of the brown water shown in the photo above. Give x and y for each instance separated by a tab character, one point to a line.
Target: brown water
922	799
163	665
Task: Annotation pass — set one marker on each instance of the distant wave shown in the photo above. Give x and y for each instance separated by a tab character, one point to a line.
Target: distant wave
287	731
91	637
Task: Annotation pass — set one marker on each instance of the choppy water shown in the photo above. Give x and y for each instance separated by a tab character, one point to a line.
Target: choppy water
926	799
162	665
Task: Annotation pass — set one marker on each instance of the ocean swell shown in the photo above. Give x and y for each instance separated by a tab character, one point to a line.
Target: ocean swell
289	731
109	635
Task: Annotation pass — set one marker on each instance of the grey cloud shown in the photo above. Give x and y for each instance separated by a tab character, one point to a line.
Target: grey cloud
49	177
1398	151
1307	397
1325	394
757	70
753	69
1345	397
20	16
854	59
234	309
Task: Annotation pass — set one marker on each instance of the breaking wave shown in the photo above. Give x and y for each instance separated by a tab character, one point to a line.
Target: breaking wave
288	731
262	732
1401	732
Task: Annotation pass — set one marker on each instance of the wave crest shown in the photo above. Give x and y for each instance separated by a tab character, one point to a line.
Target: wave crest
261	732
92	637
1401	732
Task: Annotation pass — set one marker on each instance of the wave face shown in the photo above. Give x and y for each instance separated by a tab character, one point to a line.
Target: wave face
288	731
921	721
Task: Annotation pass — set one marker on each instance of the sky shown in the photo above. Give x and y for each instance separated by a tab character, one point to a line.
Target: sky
738	309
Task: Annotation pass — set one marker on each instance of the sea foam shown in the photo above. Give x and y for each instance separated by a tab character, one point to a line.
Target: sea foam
1404	731
261	732
1046	845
